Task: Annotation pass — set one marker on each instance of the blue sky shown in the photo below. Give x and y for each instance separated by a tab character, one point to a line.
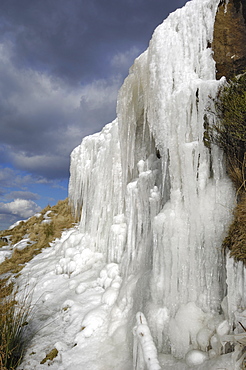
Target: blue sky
61	65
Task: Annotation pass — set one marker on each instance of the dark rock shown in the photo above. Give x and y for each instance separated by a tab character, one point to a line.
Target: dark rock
229	44
3	239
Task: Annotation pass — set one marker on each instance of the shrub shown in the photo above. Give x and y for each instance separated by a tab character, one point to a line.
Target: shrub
14	316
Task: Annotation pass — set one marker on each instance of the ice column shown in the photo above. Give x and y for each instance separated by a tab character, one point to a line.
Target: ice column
95	189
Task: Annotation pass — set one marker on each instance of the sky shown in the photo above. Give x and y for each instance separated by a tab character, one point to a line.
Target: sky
61	66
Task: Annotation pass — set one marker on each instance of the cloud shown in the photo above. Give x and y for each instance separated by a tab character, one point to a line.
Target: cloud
50	166
61	65
75	41
60	69
43	119
7	220
99	93
28	195
17	184
20	208
10	178
123	60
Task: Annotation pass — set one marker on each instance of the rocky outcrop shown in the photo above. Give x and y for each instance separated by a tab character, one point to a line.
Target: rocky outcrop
229	44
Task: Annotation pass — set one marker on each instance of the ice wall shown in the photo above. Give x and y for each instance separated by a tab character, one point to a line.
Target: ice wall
154	197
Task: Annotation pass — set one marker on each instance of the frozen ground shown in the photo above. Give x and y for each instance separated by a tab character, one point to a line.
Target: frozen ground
73	291
73	294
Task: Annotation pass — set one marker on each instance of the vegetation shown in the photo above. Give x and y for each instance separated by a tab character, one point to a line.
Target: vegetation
40	230
230	134
50	356
14	316
230	130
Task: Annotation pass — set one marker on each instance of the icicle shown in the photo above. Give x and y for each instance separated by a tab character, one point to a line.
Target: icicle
145	353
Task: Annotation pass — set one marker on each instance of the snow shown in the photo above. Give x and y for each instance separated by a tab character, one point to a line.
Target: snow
22	244
15	224
7	250
4	254
69	313
47	219
154	205
196	357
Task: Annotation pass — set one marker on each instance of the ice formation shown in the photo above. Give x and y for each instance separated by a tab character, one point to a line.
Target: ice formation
155	201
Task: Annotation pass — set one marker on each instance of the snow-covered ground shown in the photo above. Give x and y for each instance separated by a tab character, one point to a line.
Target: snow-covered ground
73	293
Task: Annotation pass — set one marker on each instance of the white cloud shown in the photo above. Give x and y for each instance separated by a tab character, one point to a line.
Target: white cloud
19	194
100	93
10	178
20	207
124	60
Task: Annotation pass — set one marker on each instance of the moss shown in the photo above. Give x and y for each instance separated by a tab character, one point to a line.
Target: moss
230	134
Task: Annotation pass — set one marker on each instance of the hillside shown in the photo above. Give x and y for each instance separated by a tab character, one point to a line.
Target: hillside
27	238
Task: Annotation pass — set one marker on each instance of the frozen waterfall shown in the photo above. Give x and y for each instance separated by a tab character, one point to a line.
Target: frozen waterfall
156	200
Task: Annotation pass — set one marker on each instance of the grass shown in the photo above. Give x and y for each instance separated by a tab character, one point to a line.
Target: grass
14	316
50	356
230	130
40	234
236	236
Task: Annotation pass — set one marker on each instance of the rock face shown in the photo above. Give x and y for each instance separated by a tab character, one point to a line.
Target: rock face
229	44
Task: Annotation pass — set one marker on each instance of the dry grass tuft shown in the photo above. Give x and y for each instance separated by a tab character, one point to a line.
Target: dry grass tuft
236	238
14	316
50	356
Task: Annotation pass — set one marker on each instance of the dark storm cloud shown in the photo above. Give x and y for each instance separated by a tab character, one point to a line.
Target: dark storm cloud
75	39
43	118
61	65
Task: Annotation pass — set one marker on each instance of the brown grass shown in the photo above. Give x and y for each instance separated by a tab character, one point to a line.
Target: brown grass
50	356
236	171
41	234
14	316
236	238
